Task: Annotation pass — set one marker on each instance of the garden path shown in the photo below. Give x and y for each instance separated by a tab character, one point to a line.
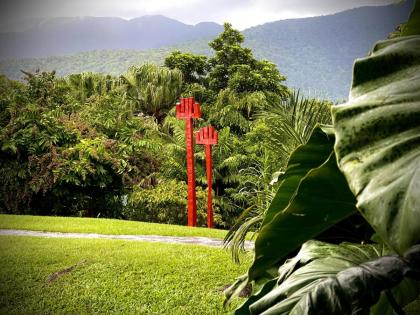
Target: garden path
194	240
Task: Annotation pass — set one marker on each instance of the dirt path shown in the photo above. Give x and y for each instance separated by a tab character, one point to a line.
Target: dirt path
195	240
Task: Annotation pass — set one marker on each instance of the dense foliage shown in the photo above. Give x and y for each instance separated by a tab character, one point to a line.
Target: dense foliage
60	157
101	145
193	67
166	203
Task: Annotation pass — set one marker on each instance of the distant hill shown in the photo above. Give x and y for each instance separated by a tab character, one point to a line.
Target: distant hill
315	54
106	61
60	36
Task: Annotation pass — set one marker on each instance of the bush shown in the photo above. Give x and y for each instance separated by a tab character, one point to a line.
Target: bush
167	203
59	158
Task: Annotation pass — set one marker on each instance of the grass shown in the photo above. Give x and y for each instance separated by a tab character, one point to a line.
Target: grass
110	276
102	226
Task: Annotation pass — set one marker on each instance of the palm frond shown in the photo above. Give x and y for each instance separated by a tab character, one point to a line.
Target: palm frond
235	239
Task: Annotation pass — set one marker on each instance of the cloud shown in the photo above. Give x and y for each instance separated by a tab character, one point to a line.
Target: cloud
241	13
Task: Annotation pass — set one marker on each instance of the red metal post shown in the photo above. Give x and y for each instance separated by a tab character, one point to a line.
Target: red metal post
192	201
209	185
187	109
208	136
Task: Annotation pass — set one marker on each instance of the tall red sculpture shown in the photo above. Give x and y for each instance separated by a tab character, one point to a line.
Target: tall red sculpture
188	109
208	136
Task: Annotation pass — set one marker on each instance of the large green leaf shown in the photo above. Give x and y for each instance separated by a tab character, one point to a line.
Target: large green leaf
312	197
303	159
310	250
317	261
378	140
338	279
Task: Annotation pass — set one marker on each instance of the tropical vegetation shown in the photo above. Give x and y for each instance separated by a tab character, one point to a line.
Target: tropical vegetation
91	144
331	191
364	165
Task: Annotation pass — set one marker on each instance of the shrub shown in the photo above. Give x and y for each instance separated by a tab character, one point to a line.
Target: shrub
167	203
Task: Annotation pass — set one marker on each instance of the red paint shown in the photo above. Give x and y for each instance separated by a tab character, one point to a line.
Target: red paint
209	184
188	109
208	136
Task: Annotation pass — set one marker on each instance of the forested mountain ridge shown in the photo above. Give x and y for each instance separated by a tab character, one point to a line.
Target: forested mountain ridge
315	54
60	36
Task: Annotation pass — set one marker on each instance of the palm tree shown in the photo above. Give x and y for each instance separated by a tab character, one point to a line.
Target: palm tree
84	85
152	90
292	120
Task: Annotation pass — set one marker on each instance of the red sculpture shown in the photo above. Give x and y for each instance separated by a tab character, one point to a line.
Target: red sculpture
188	109
208	136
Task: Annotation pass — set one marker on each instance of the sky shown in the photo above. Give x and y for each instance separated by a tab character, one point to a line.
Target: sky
241	13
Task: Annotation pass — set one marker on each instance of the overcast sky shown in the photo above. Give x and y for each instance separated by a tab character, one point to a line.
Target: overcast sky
241	13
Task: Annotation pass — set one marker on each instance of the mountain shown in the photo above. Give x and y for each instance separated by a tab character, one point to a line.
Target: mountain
315	54
60	36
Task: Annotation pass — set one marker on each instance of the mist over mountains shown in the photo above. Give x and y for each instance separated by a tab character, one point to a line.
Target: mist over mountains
315	54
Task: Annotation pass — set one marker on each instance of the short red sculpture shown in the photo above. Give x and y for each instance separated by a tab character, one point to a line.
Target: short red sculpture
188	109
208	136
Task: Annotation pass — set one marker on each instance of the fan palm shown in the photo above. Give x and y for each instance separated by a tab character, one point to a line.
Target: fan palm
290	123
85	84
153	90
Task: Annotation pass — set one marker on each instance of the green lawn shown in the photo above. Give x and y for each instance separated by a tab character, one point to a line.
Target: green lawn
113	276
101	226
